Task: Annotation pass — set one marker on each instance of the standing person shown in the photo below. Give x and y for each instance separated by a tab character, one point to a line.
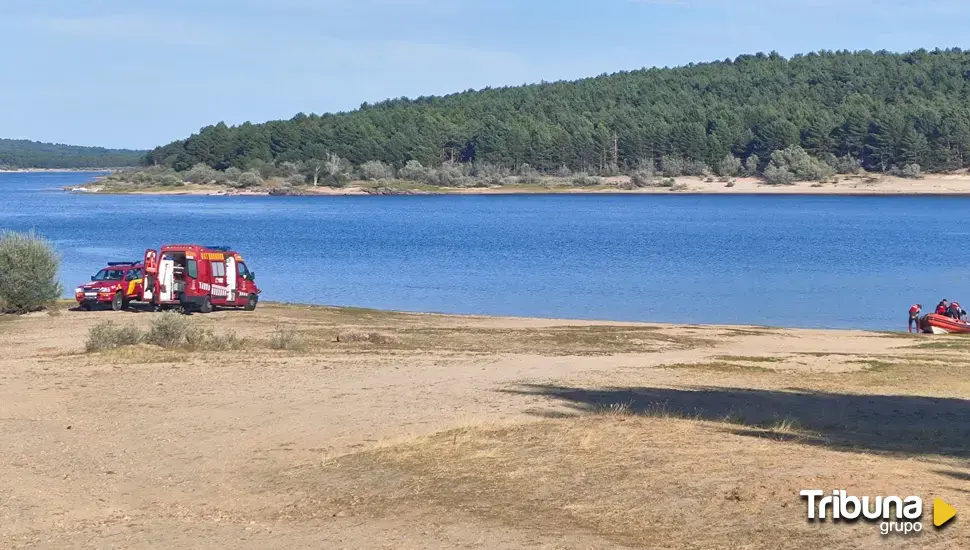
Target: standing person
914	316
941	307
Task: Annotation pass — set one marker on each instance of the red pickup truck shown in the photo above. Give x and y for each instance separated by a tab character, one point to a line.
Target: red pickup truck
117	284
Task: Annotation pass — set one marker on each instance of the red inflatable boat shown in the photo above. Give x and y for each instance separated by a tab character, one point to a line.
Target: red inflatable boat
941	324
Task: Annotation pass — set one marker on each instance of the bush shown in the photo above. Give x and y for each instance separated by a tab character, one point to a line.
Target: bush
285	338
910	171
204	339
583	180
376	170
106	335
295	179
169	330
696	168
232	174
249	179
672	166
489	171
170	180
799	164
642	177
528	174
563	172
291	169
449	174
668	182
751	166
729	167
200	174
28	273
776	175
847	165
413	171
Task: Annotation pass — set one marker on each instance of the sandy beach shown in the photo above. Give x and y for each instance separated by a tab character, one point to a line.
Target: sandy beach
378	429
955	184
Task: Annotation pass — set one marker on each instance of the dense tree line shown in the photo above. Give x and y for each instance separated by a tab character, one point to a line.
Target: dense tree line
15	153
877	110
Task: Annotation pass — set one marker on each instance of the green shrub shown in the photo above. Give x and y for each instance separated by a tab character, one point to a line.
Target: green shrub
672	166
170	329
799	164
730	166
583	180
232	174
910	171
751	166
563	172
107	335
376	170
28	272
668	182
413	171
696	168
295	179
776	175
642	177
200	174
249	179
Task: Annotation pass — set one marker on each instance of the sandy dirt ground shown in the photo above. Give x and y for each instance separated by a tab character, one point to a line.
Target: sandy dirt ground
389	430
932	184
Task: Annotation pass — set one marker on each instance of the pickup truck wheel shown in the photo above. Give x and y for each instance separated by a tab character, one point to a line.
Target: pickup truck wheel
251	303
86	306
206	306
118	301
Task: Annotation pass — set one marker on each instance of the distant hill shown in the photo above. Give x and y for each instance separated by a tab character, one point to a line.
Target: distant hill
877	109
21	153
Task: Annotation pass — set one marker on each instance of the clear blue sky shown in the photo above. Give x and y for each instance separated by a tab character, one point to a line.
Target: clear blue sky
137	73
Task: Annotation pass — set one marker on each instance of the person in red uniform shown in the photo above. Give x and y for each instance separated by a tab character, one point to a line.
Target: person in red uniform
941	307
954	311
914	316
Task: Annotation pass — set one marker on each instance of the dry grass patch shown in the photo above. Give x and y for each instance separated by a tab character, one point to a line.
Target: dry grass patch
352	336
632	480
719	366
749	359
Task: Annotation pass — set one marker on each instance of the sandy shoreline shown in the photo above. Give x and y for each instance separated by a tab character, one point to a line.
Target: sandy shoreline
957	184
383	429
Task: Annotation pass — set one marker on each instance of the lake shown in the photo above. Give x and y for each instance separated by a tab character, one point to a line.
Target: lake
794	261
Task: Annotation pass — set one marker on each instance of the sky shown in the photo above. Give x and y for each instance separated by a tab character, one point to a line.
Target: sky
136	73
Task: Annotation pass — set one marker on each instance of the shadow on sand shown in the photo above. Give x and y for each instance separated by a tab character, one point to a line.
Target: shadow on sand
903	425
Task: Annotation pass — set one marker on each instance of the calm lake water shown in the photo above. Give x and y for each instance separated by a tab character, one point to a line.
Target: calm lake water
835	262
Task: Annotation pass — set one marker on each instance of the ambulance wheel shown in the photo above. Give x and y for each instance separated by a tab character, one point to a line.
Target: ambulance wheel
118	301
251	304
206	306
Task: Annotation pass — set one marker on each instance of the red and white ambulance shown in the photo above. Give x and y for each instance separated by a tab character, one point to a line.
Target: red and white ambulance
198	277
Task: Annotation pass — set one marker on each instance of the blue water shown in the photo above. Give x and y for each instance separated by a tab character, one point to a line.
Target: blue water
797	261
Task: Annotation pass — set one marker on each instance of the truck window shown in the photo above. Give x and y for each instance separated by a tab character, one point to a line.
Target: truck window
109	275
133	274
218	269
192	269
241	270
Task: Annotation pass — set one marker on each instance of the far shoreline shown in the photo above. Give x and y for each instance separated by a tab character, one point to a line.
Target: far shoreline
933	185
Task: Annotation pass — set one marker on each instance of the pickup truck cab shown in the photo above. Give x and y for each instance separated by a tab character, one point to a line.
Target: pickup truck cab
116	285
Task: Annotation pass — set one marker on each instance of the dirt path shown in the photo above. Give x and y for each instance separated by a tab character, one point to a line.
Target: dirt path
139	447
